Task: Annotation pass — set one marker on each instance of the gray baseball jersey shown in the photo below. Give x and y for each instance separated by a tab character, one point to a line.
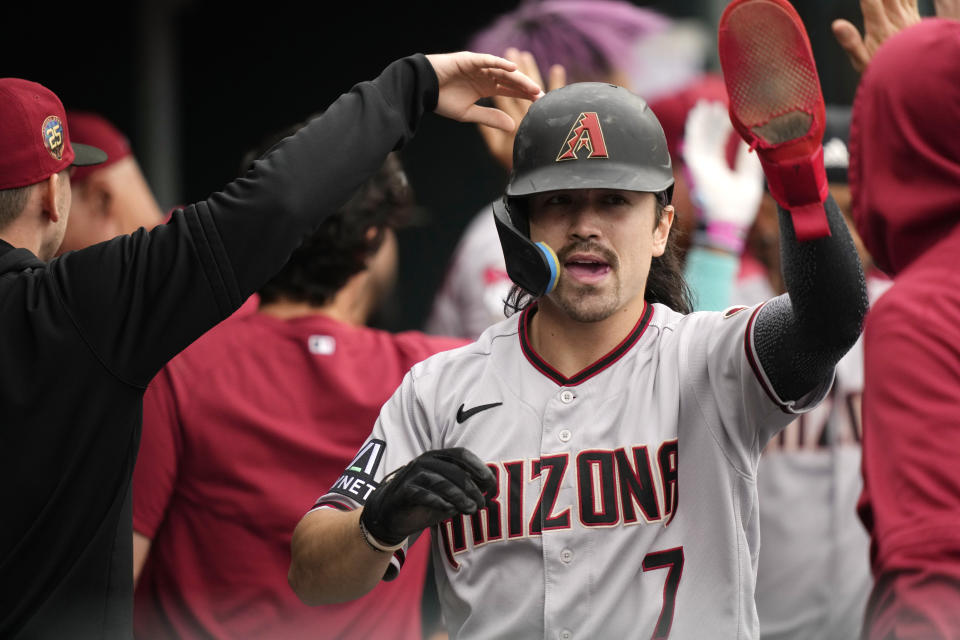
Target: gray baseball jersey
627	502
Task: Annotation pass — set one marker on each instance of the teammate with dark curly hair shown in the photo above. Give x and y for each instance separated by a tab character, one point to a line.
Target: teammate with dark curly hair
270	402
344	243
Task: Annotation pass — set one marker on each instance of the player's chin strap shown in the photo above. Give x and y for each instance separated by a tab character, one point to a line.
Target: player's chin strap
533	266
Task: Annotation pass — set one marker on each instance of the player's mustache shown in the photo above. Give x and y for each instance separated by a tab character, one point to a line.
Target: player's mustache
595	248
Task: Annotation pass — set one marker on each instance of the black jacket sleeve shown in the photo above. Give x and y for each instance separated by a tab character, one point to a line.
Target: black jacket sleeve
138	300
801	335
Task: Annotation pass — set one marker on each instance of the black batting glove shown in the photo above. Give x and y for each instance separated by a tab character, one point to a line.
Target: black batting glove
432	487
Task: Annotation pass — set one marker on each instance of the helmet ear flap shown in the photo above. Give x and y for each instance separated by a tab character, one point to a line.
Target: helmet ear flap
532	266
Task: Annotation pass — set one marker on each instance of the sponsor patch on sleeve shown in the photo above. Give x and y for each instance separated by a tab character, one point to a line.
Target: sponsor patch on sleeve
357	481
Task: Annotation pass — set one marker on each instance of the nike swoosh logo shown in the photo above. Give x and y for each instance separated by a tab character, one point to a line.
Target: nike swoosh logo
463	415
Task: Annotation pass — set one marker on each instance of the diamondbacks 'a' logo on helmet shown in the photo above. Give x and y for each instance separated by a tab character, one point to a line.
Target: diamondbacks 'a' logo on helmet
52	132
585	133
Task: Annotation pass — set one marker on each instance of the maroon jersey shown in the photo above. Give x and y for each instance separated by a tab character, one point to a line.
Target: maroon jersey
905	184
242	431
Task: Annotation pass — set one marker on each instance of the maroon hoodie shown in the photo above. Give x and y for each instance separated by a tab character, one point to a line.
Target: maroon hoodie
905	181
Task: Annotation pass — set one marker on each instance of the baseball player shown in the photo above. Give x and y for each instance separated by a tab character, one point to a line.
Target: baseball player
589	464
212	424
560	40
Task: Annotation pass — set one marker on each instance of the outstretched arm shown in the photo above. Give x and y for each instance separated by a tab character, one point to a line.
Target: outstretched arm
800	336
212	255
777	107
310	174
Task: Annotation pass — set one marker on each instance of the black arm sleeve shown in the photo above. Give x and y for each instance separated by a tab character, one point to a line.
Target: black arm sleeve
800	336
138	300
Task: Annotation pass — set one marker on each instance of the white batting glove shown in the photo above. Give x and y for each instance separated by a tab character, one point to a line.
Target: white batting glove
726	199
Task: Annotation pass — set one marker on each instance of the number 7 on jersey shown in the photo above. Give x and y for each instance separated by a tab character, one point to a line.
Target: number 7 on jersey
672	560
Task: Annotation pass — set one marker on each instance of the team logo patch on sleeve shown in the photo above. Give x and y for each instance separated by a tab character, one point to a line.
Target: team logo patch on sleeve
357	481
732	311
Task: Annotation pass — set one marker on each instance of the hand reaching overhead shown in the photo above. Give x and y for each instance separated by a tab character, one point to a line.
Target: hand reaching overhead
881	19
465	77
500	142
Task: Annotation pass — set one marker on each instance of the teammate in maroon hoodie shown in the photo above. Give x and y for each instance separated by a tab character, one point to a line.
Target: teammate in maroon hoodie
905	181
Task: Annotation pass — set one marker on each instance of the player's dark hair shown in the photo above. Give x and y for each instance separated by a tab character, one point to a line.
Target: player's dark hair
340	246
12	202
665	282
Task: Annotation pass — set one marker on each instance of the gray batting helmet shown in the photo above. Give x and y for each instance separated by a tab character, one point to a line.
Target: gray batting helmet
588	135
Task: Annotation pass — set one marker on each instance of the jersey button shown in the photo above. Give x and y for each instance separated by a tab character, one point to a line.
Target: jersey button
565	435
566	396
566	634
566	556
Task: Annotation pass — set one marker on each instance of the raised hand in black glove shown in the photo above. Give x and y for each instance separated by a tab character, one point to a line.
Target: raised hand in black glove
430	488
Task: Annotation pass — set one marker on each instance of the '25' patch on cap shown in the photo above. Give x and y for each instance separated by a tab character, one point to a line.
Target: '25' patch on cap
52	132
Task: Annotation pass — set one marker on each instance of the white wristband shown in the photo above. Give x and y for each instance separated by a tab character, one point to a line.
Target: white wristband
375	544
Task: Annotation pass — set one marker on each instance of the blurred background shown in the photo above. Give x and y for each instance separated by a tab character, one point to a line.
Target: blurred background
196	83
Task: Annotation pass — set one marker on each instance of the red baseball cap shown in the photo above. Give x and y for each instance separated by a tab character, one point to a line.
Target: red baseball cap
93	129
34	139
